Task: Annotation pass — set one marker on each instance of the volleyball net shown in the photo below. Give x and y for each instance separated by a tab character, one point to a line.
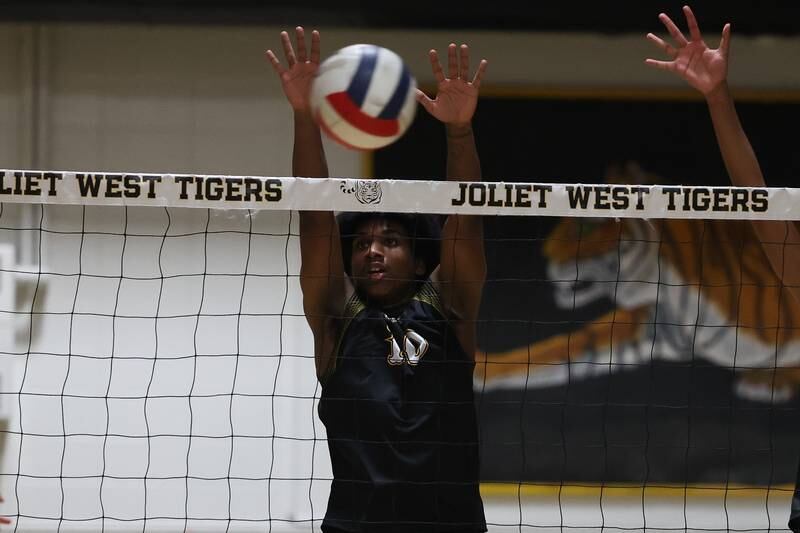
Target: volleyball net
638	364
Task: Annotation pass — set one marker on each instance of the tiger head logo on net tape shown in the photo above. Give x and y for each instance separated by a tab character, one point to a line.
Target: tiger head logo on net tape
366	191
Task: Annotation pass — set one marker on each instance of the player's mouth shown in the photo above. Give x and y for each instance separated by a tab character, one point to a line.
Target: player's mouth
376	272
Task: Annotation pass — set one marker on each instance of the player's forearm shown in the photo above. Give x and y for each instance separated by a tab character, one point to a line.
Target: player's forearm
463	163
779	239
463	262
737	153
308	155
316	227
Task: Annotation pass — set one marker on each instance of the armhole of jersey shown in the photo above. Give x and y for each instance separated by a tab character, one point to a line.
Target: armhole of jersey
428	294
351	309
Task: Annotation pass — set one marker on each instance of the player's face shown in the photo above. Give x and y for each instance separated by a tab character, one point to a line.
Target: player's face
382	262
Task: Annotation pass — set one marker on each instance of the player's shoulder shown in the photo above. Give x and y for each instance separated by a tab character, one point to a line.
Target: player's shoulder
430	292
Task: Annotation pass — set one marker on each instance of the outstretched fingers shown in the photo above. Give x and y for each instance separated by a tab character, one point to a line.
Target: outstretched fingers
725	41
476	81
275	62
691	21
425	100
288	51
463	64
662	44
663	65
673	30
315	46
300	39
292	58
452	62
457	65
436	66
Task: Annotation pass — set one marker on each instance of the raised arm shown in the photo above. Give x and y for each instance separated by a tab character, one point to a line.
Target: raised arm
706	70
462	269
322	277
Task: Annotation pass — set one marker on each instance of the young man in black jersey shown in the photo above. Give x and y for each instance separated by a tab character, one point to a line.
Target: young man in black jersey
706	69
392	303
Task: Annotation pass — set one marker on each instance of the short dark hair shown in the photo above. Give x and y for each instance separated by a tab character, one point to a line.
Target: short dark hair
425	232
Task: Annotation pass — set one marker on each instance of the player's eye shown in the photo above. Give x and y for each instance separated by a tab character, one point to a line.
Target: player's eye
390	242
361	244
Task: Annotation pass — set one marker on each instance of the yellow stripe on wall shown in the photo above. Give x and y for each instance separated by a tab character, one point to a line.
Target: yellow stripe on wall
620	490
627	93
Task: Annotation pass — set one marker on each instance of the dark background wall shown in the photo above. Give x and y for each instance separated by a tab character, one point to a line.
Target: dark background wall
657	422
749	17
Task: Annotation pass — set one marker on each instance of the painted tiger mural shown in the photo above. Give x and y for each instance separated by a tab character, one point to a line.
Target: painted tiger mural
680	290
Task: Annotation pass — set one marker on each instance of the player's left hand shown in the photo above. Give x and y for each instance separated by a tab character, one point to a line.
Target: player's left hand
704	68
457	94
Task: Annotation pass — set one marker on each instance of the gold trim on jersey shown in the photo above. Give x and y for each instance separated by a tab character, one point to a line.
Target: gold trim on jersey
353	306
427	293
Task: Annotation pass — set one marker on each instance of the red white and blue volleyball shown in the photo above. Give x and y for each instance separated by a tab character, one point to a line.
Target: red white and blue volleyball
364	97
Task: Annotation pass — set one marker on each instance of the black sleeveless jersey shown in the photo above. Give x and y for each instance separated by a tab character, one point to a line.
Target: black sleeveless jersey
400	416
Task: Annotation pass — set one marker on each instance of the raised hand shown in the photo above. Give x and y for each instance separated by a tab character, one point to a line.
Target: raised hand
297	76
703	68
3	520
457	94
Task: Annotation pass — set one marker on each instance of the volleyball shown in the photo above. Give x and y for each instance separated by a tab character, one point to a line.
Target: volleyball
363	97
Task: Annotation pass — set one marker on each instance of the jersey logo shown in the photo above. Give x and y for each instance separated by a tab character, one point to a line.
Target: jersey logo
411	348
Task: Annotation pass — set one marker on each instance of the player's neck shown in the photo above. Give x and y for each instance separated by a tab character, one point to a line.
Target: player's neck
393	301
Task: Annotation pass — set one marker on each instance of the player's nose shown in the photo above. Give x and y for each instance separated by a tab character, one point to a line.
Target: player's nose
375	248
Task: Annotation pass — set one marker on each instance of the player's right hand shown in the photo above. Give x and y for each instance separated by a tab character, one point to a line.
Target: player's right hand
301	68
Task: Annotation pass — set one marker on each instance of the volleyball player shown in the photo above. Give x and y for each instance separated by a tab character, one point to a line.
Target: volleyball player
706	70
392	302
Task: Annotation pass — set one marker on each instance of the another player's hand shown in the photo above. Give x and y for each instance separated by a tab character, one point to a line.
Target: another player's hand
297	76
457	94
703	68
3	520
